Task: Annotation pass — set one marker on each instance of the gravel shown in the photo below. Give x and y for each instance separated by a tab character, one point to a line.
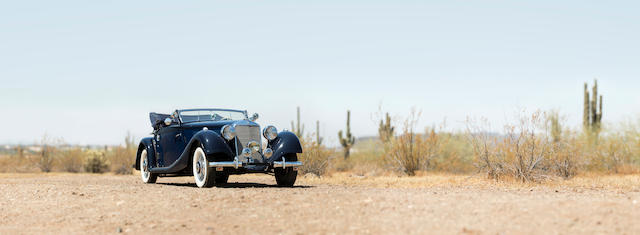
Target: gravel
80	203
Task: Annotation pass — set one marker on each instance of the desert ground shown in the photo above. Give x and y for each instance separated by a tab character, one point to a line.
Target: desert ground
341	204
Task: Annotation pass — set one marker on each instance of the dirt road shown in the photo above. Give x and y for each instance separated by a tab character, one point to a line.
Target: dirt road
79	203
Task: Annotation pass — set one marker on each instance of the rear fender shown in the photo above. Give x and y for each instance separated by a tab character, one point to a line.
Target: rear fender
145	143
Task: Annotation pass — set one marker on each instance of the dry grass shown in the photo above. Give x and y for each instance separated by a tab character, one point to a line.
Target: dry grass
71	160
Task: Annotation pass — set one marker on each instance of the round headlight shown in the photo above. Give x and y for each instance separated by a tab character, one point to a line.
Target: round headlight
254	146
228	132
268	152
246	152
270	133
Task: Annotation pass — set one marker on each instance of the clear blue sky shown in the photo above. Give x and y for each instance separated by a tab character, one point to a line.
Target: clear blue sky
90	71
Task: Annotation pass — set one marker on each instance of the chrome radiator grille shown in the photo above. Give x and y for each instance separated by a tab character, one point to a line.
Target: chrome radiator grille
245	134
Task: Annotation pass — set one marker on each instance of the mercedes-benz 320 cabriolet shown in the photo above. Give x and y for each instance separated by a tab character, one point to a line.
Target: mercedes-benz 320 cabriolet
211	144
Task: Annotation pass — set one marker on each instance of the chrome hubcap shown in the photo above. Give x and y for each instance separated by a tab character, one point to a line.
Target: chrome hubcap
145	168
200	164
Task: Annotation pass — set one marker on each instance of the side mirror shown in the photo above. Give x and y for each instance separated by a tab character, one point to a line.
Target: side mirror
167	121
254	117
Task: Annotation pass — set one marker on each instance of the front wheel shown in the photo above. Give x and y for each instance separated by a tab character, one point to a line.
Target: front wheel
204	176
286	177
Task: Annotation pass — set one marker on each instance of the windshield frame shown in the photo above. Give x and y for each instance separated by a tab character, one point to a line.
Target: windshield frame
179	113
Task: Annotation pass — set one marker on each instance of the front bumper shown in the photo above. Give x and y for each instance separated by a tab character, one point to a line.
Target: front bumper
236	164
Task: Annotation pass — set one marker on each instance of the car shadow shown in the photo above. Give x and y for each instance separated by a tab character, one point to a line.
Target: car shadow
236	185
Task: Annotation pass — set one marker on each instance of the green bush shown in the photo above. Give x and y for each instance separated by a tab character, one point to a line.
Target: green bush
96	162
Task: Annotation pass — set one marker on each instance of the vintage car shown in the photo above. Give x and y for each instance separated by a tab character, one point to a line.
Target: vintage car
212	144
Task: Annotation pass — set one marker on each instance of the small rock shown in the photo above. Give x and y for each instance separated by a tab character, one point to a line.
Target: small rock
119	203
634	202
119	230
73	193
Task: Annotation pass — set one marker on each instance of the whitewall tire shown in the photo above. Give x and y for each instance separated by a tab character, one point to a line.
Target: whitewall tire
146	176
203	175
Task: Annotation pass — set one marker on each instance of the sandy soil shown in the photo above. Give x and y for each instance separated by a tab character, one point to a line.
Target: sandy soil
79	203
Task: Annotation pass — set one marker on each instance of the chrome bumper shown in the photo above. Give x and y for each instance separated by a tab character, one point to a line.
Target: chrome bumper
285	164
238	164
235	164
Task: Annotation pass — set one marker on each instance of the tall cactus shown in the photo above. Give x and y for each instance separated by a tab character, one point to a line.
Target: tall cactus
385	130
318	138
555	127
296	129
592	114
348	140
19	151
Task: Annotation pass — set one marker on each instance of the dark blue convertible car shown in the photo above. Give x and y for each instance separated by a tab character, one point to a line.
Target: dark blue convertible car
212	144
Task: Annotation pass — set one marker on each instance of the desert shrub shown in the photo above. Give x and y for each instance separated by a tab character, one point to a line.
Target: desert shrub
315	158
612	154
519	154
566	157
410	152
455	155
122	158
71	160
96	162
18	161
45	161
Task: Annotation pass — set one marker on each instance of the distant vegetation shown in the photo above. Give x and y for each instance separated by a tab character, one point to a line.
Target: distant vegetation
54	155
534	147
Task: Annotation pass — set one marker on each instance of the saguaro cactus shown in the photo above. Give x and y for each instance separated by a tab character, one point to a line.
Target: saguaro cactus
296	129
347	140
385	130
19	151
555	126
318	138
592	114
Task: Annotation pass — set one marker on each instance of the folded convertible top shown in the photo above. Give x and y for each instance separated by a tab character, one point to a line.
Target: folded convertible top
157	118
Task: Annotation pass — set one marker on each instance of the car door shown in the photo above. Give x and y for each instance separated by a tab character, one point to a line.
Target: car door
171	144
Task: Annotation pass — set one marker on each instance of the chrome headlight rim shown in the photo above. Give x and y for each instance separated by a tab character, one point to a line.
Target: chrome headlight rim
270	133
268	153
228	132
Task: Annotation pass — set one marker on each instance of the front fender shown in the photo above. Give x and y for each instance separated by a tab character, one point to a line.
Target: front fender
212	143
287	142
145	143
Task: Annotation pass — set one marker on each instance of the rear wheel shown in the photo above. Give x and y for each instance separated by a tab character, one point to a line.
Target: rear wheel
286	177
147	177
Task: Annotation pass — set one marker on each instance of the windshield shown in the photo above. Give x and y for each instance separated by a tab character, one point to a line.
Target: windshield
204	115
